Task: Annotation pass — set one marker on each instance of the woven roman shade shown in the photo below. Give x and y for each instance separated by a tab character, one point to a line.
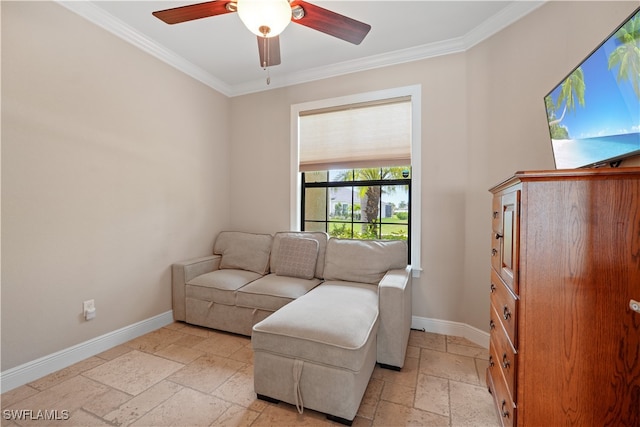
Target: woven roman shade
370	134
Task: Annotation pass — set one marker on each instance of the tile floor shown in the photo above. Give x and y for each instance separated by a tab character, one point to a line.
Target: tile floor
183	375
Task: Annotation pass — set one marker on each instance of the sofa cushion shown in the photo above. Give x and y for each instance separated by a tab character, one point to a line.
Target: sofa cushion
331	325
297	257
219	285
272	292
363	261
244	251
318	236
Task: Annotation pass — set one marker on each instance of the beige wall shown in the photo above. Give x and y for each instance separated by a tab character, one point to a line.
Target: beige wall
113	167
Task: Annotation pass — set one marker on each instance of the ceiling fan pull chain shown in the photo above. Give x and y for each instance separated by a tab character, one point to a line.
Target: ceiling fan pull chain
267	57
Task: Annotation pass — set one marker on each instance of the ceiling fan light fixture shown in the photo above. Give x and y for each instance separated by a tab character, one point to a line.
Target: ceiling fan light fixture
265	18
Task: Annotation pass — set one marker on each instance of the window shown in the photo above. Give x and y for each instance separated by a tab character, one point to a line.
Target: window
367	203
356	167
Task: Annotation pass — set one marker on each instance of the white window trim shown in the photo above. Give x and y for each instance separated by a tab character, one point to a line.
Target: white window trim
414	92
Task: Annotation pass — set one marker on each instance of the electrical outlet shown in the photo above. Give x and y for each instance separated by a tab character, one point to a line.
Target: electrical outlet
89	309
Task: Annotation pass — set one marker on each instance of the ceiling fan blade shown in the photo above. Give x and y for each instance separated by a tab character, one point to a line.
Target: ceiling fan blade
269	48
331	23
191	12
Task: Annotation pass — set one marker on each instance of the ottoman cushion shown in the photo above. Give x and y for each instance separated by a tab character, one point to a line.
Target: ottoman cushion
331	325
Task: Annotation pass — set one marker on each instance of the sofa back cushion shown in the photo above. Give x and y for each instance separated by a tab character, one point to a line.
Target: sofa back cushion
363	261
297	257
318	236
243	251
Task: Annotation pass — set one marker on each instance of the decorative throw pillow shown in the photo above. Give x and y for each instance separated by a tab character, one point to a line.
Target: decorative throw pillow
297	257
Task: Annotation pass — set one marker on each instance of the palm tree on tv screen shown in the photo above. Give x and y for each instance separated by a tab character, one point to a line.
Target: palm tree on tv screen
627	55
571	92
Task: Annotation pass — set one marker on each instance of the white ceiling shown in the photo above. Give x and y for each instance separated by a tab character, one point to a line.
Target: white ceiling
222	53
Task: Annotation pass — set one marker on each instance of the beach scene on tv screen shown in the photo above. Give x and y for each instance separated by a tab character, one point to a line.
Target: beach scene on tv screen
594	114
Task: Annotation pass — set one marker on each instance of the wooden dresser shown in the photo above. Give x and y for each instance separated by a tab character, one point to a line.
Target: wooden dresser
565	281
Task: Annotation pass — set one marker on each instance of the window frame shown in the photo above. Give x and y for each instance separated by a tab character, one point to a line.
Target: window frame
329	184
414	92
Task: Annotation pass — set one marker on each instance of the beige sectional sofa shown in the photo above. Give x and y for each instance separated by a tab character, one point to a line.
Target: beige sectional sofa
321	311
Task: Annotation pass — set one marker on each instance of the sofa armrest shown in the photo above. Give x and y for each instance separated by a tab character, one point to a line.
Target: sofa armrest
394	292
183	272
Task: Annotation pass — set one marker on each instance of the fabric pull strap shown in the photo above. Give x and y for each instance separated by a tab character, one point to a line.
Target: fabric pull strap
211	305
297	373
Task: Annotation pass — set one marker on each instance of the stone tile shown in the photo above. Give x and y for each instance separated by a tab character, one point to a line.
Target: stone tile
185	408
244	355
413	351
432	394
237	416
107	402
469	351
239	390
114	352
134	372
82	418
359	421
287	415
392	414
155	341
398	393
207	373
471	406
428	340
198	331
407	376
222	344
68	396
451	339
176	326
451	366
189	341
66	373
17	394
184	355
370	400
135	408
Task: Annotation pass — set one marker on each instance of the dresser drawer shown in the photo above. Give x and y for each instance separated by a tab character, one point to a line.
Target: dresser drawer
506	307
504	405
503	360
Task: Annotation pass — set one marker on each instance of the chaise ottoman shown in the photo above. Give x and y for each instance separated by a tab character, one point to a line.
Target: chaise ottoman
319	351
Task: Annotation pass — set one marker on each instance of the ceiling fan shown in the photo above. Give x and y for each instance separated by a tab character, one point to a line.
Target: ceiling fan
268	18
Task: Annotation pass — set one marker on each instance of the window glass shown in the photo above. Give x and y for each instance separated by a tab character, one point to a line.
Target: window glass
368	203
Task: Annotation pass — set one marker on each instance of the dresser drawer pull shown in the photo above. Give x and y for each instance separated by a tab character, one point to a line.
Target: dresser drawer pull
494	252
493	288
495	214
505	413
498	236
492	325
491	362
505	361
506	313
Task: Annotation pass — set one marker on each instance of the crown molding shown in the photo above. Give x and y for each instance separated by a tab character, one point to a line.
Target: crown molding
115	26
493	25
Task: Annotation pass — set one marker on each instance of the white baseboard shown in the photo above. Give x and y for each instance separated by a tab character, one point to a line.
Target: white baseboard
30	371
447	327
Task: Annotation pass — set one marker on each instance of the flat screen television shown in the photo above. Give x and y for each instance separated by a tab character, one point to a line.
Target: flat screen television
594	112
